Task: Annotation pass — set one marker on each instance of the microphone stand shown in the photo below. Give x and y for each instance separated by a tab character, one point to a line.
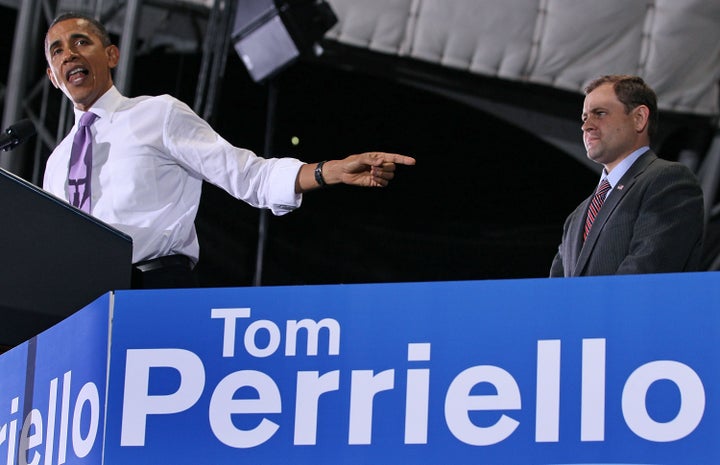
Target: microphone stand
268	150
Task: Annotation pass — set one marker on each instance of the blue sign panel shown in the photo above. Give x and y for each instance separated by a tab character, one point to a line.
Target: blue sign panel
13	367
52	393
583	370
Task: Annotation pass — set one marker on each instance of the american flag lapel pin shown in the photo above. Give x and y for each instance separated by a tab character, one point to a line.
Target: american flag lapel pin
620	187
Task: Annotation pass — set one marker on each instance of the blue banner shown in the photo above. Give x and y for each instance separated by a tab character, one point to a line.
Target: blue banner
52	393
583	370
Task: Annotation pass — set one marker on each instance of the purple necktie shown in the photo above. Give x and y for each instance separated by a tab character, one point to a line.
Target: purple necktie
81	163
595	205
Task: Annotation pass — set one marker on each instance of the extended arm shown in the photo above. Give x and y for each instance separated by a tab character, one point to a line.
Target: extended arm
370	169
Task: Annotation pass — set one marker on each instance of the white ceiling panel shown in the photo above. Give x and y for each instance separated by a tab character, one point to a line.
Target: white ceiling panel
673	44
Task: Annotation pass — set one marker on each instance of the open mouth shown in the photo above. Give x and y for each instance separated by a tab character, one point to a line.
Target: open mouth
76	75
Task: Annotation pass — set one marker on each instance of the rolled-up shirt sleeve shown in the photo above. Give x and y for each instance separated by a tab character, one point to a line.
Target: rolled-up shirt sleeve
261	182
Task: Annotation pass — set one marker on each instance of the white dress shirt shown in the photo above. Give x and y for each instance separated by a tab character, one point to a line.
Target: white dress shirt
150	156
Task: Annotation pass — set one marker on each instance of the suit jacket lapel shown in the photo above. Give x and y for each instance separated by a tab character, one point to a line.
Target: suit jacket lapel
616	195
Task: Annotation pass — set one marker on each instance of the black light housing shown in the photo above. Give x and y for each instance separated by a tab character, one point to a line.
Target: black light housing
269	35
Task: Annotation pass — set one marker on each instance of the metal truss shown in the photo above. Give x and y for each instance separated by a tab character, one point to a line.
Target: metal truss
29	94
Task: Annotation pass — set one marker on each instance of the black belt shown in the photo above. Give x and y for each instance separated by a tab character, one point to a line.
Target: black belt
164	262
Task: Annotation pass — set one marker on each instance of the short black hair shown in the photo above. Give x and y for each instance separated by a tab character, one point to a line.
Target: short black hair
97	26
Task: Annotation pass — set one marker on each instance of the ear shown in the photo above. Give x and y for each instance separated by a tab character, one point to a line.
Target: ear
113	55
51	77
641	117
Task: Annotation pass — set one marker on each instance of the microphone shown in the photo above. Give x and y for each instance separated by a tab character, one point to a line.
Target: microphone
16	134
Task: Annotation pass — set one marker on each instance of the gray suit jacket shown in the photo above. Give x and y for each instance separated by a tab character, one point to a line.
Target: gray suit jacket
651	222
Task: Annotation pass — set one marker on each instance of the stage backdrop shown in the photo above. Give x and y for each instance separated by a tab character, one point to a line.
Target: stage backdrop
602	370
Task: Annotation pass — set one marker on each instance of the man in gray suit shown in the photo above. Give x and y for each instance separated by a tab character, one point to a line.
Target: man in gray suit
650	217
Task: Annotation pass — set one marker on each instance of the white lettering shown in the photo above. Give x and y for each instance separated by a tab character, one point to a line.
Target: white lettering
310	387
138	404
28	441
547	405
88	395
364	386
52	411
64	418
592	411
292	328
459	401
417	396
222	406
273	340
12	436
229	315
692	401
313	329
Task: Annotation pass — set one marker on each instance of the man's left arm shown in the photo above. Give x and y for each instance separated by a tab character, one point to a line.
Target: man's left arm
668	231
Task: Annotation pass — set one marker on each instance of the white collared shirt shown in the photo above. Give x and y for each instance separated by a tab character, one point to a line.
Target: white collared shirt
150	156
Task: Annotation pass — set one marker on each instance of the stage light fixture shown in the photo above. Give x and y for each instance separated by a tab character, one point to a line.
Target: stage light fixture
269	35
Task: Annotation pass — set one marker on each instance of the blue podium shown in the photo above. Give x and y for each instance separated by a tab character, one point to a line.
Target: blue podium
604	370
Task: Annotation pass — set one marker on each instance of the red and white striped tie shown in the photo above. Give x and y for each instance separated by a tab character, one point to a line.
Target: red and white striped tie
595	205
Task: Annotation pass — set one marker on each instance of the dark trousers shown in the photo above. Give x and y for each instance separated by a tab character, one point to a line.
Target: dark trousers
170	272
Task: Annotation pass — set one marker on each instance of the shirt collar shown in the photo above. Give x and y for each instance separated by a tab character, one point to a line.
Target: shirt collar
103	106
619	171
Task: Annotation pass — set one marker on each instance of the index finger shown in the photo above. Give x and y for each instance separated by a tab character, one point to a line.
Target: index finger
396	158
